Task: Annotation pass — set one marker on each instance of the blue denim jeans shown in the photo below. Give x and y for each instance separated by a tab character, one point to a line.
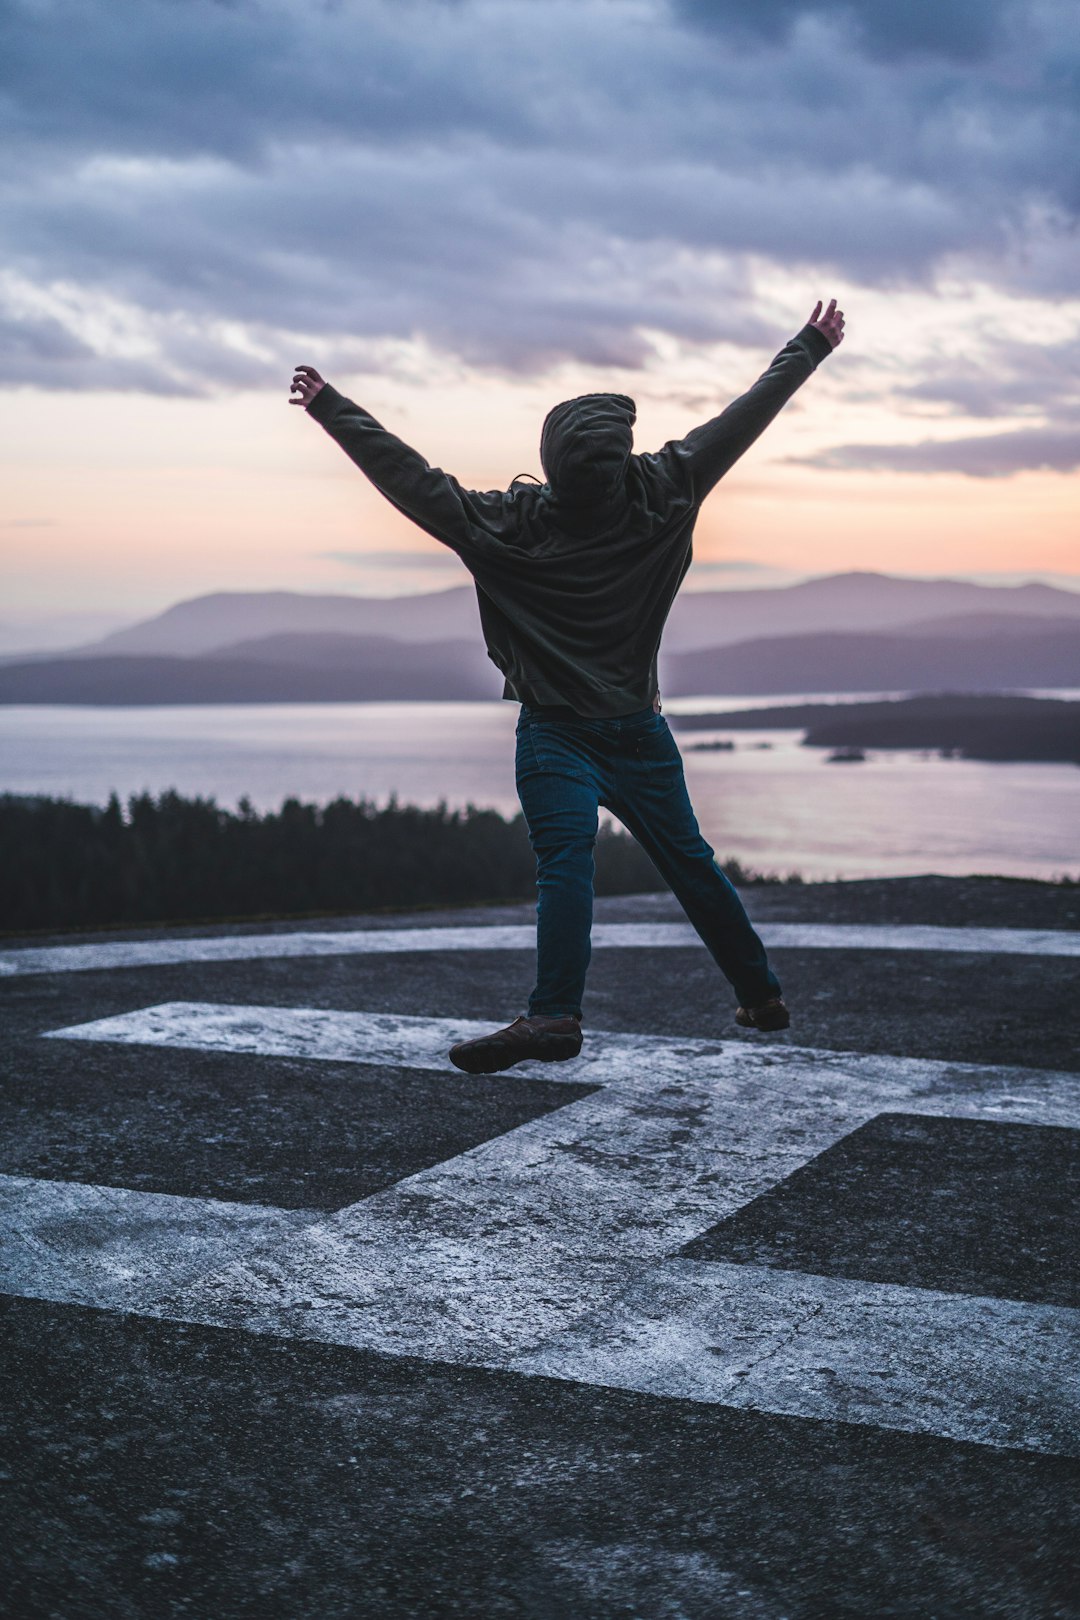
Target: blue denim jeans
568	766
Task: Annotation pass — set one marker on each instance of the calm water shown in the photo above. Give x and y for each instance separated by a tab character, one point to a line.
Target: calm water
778	808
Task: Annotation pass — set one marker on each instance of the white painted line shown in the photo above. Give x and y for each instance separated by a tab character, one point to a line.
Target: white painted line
881	937
828	1348
649	1064
526	1252
258	947
304	1032
605	936
86	1245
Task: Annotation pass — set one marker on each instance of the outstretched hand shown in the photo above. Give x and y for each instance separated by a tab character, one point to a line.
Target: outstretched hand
831	324
307	382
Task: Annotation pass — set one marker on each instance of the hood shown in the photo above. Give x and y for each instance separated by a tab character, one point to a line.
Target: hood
585	446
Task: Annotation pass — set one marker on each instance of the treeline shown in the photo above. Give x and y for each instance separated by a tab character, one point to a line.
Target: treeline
175	859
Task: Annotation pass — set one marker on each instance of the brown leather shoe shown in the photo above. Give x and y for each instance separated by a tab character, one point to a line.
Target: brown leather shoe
548	1040
768	1015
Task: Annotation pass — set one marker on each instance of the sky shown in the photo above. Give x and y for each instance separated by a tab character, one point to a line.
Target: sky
462	211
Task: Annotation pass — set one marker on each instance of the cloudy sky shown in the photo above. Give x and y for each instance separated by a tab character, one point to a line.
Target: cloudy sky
462	211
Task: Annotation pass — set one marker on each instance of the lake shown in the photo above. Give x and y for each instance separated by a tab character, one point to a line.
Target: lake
775	805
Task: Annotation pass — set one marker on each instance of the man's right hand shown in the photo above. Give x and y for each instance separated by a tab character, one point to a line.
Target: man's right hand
306	382
831	324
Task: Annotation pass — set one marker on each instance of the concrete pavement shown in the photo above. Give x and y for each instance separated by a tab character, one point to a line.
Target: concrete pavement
301	1320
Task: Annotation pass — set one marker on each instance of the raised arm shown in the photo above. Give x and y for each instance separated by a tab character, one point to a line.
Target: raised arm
708	451
465	520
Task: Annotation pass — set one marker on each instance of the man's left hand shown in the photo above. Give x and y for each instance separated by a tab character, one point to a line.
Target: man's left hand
306	382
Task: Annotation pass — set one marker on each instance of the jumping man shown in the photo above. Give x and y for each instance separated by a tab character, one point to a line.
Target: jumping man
575	579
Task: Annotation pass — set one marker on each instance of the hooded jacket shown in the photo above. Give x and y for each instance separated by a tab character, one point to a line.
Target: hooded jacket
575	577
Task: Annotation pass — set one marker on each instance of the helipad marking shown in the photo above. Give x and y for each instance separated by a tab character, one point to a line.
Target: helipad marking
122	1239
651	935
305	1032
548	1250
607	1058
825	1347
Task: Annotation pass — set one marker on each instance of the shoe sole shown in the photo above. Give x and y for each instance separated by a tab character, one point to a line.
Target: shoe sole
767	1025
492	1059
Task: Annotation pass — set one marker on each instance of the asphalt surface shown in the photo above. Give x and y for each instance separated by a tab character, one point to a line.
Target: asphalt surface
175	1448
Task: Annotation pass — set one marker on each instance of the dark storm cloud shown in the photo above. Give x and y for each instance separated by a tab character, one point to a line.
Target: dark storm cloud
1012	379
963	30
183	77
256	182
995	455
36	341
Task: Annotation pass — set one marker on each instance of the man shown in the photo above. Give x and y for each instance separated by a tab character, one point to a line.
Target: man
575	579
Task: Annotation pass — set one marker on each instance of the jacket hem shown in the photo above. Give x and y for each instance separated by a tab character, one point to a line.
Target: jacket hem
539	695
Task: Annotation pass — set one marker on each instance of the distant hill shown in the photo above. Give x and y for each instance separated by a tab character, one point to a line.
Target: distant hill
849	602
999	727
427	664
205	623
845	602
380	672
979	626
983	656
56	634
967	657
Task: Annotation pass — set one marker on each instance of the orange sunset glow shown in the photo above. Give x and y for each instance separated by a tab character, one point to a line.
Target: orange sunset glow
459	268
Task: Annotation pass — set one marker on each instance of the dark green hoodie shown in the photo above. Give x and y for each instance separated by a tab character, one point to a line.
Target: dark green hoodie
575	578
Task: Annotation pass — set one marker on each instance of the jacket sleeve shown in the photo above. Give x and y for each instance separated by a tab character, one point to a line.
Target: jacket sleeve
709	451
467	521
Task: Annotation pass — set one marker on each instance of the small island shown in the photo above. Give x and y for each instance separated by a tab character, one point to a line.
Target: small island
996	726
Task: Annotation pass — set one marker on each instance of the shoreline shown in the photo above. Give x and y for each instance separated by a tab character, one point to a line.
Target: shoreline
1002	727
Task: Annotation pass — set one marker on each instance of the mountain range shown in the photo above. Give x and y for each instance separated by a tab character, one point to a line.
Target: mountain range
852	601
844	632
